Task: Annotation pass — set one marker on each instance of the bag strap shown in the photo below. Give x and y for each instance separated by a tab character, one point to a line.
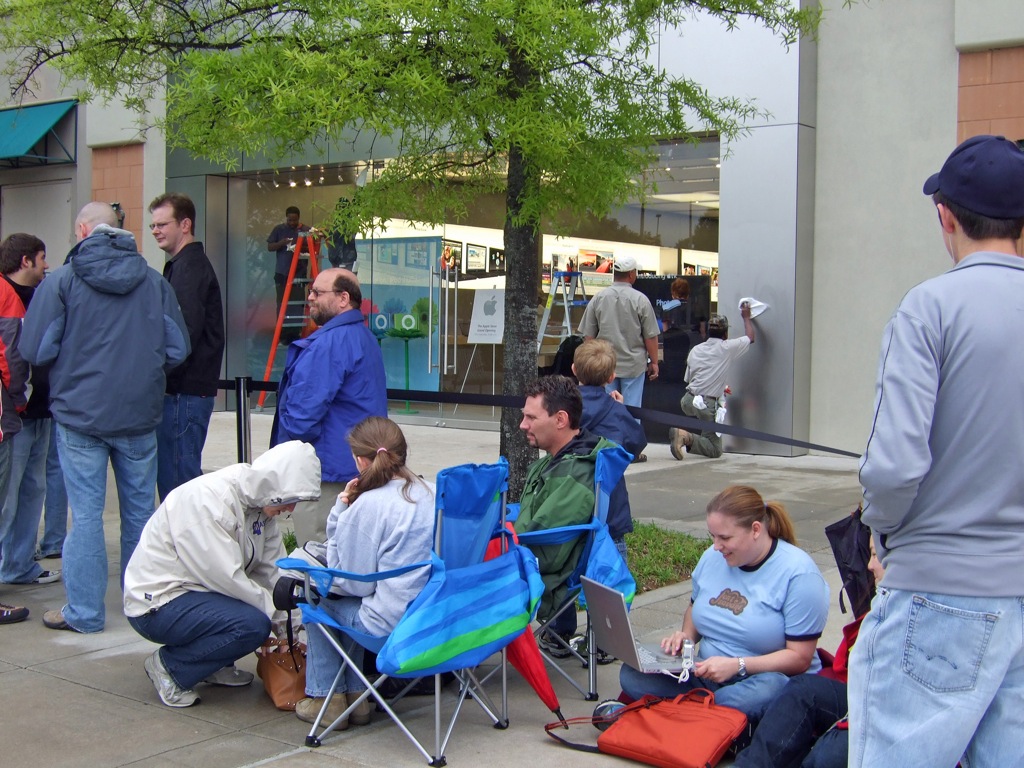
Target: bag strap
291	639
550	727
607	720
702	696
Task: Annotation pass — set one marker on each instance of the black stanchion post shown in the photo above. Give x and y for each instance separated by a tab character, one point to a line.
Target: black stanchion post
243	425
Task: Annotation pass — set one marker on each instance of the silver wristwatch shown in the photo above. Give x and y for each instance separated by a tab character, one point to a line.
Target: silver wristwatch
743	667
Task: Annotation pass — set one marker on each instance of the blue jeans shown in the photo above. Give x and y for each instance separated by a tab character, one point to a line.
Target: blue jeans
795	728
202	632
55	506
632	389
5	466
24	503
936	677
751	695
84	460
180	440
323	661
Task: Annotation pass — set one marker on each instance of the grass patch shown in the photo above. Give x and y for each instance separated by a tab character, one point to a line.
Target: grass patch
290	542
658	557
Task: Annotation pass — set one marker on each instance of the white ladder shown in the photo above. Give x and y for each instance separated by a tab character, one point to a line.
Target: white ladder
565	285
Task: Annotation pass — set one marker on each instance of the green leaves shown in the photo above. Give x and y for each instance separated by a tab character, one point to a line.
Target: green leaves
454	85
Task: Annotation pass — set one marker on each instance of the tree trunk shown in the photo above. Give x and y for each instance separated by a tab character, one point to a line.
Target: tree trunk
520	319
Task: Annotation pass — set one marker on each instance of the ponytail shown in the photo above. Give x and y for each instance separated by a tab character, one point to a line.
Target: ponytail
382	444
779	523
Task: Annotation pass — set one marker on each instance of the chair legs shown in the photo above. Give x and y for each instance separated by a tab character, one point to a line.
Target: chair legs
589	662
469	685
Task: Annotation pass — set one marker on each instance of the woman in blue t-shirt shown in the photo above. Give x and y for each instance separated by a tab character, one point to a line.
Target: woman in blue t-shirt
757	609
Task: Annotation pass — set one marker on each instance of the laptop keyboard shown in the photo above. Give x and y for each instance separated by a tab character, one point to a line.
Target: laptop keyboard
647	659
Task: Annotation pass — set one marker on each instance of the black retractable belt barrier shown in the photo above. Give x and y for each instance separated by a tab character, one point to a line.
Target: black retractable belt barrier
644	414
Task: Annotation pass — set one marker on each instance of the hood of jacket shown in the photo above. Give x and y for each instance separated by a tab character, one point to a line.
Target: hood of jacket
109	261
584	444
287	472
596	403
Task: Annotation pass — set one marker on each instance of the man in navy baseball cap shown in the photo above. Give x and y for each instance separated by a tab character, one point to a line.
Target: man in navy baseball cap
985	175
979	194
944	655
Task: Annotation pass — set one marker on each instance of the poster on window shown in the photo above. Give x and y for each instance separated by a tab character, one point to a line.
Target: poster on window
417	255
387	253
487	324
476	258
451	255
497	257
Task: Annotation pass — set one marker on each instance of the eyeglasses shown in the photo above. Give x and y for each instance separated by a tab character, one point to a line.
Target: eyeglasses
316	292
160	225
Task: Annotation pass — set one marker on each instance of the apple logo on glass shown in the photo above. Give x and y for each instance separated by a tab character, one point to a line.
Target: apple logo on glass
490	306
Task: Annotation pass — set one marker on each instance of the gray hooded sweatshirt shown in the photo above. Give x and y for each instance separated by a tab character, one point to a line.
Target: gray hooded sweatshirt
945	496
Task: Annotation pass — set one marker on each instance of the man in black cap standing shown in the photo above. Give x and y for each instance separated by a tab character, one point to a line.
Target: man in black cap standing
938	671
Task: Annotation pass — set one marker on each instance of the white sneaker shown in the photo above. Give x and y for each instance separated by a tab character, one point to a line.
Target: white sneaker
169	691
230	676
47	577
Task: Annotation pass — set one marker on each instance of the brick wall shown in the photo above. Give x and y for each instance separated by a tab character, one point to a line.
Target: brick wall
117	177
991	94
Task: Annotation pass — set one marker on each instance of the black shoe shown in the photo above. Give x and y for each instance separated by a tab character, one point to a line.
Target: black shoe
601	657
554	648
424	687
12	614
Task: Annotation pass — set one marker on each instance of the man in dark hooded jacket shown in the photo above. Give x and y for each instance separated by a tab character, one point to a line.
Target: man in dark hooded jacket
111	326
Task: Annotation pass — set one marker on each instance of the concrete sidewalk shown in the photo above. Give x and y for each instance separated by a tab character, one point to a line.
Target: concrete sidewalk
84	700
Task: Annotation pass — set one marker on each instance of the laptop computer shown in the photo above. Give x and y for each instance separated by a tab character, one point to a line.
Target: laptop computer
614	634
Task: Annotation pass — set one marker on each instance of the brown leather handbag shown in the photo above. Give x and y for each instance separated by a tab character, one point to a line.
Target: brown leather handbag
282	668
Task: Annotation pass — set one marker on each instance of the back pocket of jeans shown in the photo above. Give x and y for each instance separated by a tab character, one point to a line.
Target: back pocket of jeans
945	645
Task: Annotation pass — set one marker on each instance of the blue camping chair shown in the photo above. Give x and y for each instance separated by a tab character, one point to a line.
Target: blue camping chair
456	622
599	560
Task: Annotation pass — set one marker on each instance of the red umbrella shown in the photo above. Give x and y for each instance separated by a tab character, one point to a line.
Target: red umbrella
523	653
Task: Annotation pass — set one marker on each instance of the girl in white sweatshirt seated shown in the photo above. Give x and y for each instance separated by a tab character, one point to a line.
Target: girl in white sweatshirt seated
384	519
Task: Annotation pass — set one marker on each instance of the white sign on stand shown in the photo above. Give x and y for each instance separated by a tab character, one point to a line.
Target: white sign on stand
487	325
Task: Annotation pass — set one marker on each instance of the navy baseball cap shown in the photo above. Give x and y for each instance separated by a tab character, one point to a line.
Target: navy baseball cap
985	175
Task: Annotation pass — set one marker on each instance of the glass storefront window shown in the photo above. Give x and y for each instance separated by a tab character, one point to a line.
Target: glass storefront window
421	285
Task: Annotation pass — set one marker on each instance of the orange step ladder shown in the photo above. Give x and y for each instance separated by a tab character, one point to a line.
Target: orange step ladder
308	242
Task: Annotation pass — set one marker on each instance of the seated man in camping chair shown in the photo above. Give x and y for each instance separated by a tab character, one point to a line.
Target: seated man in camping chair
559	491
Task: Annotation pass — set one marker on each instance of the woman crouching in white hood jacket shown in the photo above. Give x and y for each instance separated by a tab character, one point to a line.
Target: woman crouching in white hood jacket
202	578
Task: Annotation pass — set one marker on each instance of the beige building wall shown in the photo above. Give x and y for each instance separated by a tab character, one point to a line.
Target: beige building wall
894	97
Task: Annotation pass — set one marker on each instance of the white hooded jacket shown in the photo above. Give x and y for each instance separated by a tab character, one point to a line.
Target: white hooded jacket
211	535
